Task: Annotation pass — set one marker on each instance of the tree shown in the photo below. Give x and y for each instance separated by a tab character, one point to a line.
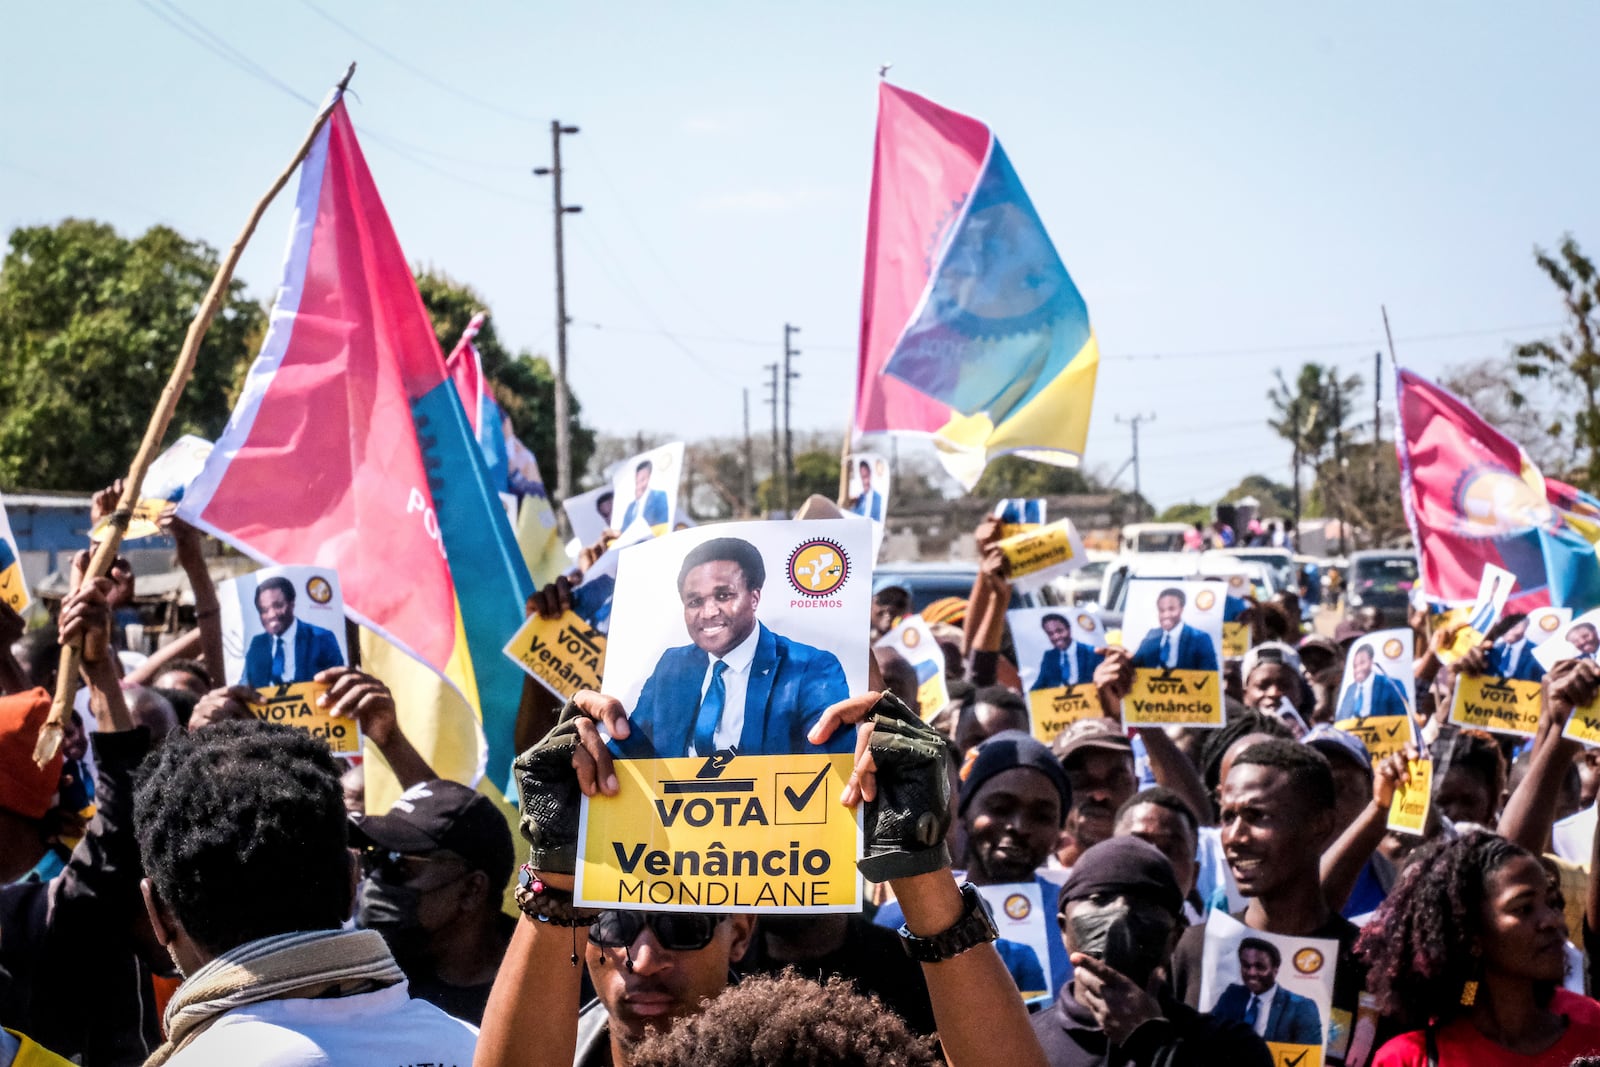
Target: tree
1013	476
815	471
524	384
1186	513
1311	415
90	324
1570	358
1277	500
1493	389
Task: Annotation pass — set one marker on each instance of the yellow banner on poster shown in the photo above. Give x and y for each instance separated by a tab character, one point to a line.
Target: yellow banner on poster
1285	1055
1384	735
1053	710
13	587
1502	705
1173	698
1584	725
1009	530
564	654
932	696
1409	811
1235	639
724	833
296	705
1038	549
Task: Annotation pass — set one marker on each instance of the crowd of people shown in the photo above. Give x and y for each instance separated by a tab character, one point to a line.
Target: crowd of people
184	884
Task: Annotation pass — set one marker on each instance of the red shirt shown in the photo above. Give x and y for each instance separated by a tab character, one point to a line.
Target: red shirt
1461	1044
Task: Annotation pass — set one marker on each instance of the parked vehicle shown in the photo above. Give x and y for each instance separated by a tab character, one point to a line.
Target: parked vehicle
1154	536
1381	580
1179	567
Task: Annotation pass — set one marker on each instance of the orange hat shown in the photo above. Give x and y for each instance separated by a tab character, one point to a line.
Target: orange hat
950	609
24	788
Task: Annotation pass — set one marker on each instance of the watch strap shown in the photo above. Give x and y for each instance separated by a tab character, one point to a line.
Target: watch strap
975	927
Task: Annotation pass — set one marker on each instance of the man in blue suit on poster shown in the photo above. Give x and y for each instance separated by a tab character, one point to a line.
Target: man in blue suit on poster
652	503
1371	692
290	650
1174	644
1258	1001
870	502
1512	656
739	685
1066	662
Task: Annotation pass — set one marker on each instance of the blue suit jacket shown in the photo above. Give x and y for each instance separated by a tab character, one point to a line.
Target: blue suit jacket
1293	1019
315	650
1196	652
655	509
869	504
1525	669
790	686
1051	675
1387	698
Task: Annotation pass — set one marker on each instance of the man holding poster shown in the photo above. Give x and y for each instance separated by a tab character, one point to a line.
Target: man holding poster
738	685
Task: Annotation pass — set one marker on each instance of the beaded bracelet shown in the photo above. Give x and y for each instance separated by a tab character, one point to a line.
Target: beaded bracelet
547	903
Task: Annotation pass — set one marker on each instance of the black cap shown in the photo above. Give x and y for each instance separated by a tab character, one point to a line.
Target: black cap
1128	865
1006	751
443	815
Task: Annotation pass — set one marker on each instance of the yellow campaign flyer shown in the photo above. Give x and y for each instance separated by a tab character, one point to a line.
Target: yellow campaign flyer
1177	678
1409	811
1053	710
1042	553
296	705
1384	735
564	654
1235	639
724	833
1173	698
1584	725
1500	705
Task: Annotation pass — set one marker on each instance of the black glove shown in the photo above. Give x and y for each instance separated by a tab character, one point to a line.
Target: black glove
905	826
550	796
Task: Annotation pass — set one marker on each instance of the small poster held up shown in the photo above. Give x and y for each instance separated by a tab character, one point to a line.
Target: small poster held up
1579	639
1037	556
727	645
13	586
1245	972
170	474
912	639
589	514
1236	630
1058	649
1494	589
1376	698
1174	630
1020	515
1025	927
1408	813
867	492
281	627
645	490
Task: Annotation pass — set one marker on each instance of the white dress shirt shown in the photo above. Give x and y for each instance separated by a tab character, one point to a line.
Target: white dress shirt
1263	1010
288	648
735	683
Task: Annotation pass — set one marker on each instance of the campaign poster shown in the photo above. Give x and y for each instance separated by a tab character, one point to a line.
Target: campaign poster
1578	639
727	644
1058	649
1494	588
13	586
589	514
1235	631
564	654
1019	515
164	483
1408	813
1174	630
1376	694
281	627
1039	555
1249	974
645	490
1025	925
1508	698
912	639
867	492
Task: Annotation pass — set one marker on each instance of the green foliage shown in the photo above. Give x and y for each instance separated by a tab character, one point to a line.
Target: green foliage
1276	500
1013	476
524	384
1189	513
816	471
90	325
1569	362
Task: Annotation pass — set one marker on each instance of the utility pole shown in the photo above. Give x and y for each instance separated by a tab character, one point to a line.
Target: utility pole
772	401
1377	431
789	352
563	398
1338	456
746	499
1138	502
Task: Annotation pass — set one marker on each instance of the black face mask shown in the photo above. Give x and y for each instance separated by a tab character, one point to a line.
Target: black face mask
391	910
1132	941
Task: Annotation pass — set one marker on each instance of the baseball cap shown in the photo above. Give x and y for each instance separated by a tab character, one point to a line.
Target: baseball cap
1270	652
1105	734
1008	750
440	814
1332	741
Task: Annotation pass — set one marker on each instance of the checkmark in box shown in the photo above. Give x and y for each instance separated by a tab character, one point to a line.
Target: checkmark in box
800	798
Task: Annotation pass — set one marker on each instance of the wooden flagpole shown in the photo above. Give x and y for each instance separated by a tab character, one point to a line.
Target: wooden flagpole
51	734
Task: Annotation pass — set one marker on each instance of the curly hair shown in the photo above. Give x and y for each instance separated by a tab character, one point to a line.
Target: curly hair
789	1021
243	833
1217	742
1418	946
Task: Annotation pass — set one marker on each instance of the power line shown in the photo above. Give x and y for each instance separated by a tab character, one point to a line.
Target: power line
1330	346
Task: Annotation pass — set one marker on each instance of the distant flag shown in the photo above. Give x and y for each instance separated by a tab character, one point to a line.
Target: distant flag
477	397
1473	497
349	449
971	329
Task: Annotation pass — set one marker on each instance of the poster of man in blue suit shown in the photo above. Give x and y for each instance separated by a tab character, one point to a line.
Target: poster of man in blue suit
1369	686
1257	1000
647	502
769	629
1174	643
1064	643
269	615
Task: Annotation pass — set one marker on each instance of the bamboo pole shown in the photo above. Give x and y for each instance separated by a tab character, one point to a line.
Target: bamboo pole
51	734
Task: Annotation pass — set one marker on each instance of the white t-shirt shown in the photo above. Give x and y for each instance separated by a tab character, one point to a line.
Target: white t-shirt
382	1029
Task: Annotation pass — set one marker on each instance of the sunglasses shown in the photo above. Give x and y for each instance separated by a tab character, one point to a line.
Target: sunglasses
401	868
675	931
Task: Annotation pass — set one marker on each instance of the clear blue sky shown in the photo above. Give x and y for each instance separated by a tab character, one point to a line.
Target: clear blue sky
1233	186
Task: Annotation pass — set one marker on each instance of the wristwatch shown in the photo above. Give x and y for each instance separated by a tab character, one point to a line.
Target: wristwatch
975	927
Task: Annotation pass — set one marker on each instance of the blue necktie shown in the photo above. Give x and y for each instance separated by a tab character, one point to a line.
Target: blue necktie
1068	668
705	723
1252	1011
277	660
1166	649
1359	702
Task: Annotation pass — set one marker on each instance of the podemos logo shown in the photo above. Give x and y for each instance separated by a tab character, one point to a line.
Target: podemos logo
818	567
1308	961
1392	648
1017	907
319	590
1205	600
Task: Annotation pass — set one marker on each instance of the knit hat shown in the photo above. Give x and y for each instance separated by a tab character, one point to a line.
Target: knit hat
1006	751
1120	865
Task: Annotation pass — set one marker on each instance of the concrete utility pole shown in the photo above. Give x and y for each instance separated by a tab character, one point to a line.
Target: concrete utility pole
563	398
1134	423
789	352
746	495
772	402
